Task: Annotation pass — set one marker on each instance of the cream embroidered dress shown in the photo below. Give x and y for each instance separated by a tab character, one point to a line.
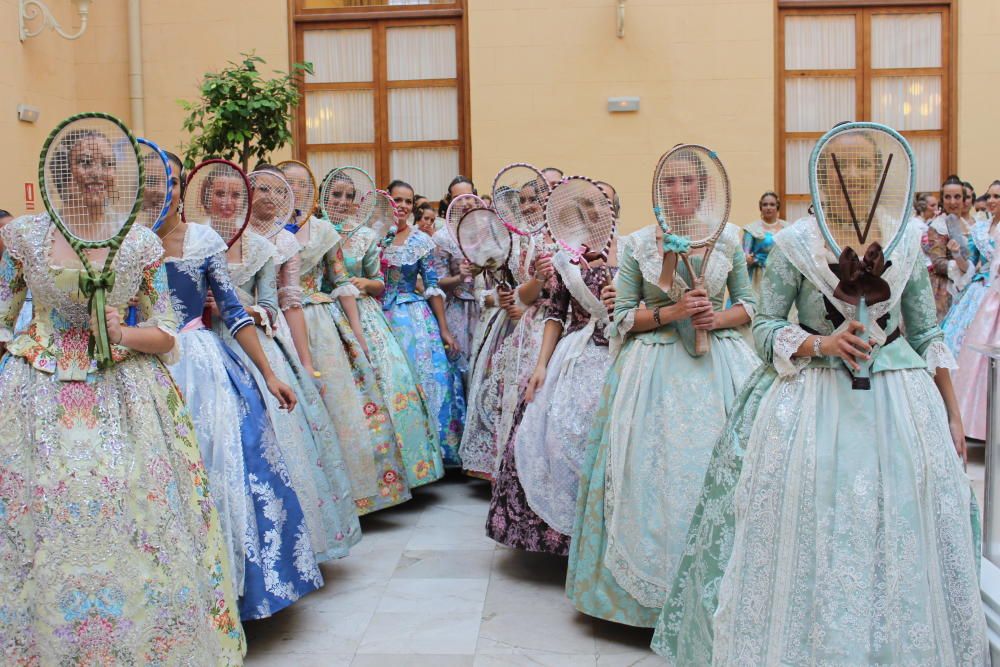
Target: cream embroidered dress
110	548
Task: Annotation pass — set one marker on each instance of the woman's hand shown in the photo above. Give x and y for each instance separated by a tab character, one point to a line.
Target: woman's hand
465	269
535	383
751	260
361	284
958	437
608	294
543	267
282	392
115	329
847	346
506	297
694	302
450	344
706	320
953	246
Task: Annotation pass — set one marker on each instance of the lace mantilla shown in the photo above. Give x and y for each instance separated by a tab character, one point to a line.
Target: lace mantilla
286	246
417	246
256	251
645	247
358	243
759	230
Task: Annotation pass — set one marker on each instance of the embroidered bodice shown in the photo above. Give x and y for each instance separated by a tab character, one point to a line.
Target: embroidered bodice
981	249
322	263
563	307
255	276
362	254
56	339
404	264
204	267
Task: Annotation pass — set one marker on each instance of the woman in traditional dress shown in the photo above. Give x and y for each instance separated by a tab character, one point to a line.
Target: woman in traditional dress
758	237
847	514
416	455
943	252
661	411
111	551
419	323
534	493
307	438
971	376
982	246
272	553
340	354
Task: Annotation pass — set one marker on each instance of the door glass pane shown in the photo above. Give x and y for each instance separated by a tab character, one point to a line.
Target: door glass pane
424	52
817	104
797	165
321	162
340	117
927	156
338	55
794	210
429	170
819	42
907	102
423	114
906	40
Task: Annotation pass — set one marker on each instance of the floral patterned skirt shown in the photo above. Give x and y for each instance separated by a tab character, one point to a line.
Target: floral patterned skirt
418	334
416	431
110	551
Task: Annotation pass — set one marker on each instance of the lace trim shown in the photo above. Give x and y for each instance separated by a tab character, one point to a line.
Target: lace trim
434	291
645	248
747	306
357	244
959	279
289	297
786	344
256	251
758	229
442	238
286	246
417	246
265	317
345	290
483	294
938	356
201	242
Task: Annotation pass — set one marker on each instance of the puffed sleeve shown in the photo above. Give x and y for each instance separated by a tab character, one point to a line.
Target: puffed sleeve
371	264
628	283
289	285
429	276
740	289
154	307
747	242
233	313
557	305
920	321
266	295
775	337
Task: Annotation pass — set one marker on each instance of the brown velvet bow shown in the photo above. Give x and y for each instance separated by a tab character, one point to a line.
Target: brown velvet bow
862	276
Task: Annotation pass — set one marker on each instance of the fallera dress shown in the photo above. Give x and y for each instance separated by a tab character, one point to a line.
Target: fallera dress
306	436
982	246
758	240
841	519
111	550
416	432
417	331
660	414
352	396
269	542
461	307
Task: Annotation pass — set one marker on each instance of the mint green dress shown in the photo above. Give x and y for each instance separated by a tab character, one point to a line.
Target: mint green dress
660	414
834	525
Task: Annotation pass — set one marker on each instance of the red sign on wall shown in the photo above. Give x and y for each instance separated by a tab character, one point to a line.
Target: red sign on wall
29	196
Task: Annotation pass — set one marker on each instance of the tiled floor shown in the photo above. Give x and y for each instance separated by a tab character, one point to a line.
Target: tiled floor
426	587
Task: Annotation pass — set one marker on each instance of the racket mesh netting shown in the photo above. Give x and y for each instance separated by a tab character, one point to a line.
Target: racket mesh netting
347	198
383	216
92	178
691	194
155	196
519	196
217	195
273	202
303	185
862	188
580	216
458	207
483	238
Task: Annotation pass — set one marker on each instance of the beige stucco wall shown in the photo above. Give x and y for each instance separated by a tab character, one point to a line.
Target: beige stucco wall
978	93
542	72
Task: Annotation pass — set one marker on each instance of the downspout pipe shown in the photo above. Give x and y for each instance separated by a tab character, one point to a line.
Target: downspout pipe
135	85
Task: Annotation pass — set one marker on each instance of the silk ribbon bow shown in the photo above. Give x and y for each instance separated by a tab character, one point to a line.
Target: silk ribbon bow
862	276
95	288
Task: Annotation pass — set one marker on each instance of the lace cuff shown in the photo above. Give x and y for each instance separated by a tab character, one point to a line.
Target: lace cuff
618	330
289	297
434	291
6	335
345	290
959	279
483	294
553	318
938	356
265	318
173	355
787	343
747	307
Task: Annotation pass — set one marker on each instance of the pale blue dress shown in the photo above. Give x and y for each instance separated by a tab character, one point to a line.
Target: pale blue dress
963	311
660	414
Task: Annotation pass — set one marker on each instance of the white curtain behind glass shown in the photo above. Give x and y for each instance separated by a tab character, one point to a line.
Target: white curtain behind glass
793	210
429	170
423	114
425	52
927	155
819	42
817	104
338	55
797	153
337	117
906	40
907	102
321	162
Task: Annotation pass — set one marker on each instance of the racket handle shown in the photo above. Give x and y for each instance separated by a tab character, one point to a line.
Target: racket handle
132	318
206	318
862	378
701	341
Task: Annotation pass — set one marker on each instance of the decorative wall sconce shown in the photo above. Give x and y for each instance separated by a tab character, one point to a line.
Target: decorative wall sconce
30	10
621	19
